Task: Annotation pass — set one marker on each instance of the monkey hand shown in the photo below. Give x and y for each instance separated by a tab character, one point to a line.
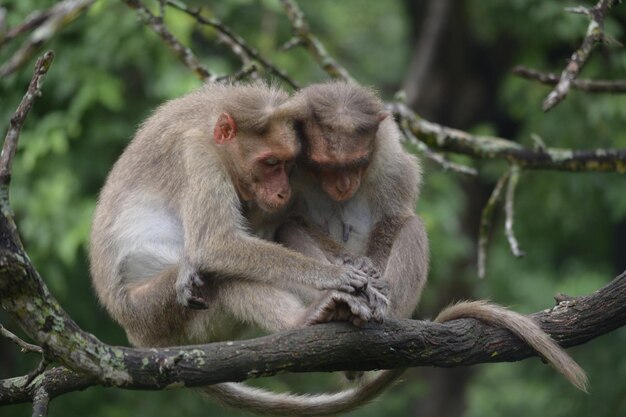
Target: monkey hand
339	306
350	280
187	285
376	290
363	264
376	295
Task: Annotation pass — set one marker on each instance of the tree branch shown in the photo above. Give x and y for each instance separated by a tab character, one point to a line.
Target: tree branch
46	25
17	121
509	208
589	86
595	34
301	30
234	41
340	346
24	346
486	220
186	55
487	147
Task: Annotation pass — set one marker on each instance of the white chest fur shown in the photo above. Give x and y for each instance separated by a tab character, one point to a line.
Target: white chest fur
348	223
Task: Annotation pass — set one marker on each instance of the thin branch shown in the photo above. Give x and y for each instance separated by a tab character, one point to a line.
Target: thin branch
509	210
41	401
486	220
447	139
17	121
595	34
40	369
434	156
590	86
301	29
24	346
183	53
46	25
337	346
244	72
234	41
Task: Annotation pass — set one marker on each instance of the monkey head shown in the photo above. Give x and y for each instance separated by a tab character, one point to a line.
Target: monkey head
338	155
260	159
338	125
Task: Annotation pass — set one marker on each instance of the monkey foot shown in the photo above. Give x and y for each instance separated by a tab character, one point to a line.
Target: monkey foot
187	285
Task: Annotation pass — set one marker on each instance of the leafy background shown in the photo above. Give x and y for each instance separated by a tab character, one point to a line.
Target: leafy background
111	71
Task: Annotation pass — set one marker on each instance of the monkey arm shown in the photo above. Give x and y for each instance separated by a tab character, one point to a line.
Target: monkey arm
399	247
300	235
216	240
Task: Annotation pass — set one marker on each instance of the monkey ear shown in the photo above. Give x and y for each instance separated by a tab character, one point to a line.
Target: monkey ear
382	115
225	129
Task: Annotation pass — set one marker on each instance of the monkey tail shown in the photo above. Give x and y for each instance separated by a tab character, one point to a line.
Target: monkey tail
523	327
275	404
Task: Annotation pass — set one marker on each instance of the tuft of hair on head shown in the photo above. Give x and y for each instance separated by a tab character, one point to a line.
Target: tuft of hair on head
253	105
344	105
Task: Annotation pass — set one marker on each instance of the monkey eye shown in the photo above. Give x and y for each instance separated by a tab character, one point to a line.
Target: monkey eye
270	162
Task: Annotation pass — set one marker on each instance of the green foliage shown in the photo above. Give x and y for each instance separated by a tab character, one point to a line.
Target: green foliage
111	71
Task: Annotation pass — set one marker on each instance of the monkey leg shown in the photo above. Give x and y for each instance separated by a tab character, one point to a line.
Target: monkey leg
399	247
150	313
371	303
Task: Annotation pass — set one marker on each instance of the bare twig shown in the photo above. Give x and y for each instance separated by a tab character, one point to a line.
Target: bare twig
444	138
486	220
244	72
237	44
595	34
46	25
41	401
434	156
17	121
24	346
590	86
317	50
183	53
509	210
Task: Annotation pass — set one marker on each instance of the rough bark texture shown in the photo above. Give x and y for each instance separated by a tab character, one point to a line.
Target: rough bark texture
330	347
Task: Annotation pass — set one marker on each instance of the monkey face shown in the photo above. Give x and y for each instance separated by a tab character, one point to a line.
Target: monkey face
260	159
270	182
340	184
337	161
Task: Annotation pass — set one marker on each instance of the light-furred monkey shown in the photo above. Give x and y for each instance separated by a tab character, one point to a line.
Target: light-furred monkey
357	185
173	256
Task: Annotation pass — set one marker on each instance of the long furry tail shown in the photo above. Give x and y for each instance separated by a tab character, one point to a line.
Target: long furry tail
269	403
524	328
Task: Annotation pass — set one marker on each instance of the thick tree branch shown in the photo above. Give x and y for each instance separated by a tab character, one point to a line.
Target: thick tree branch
589	86
447	139
595	34
340	346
